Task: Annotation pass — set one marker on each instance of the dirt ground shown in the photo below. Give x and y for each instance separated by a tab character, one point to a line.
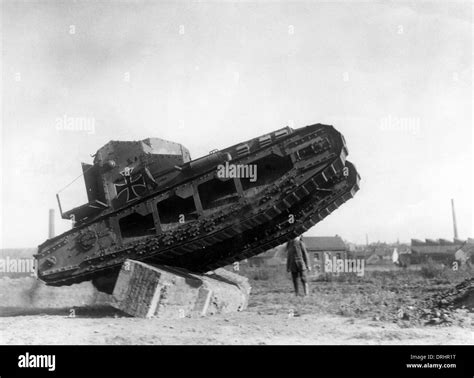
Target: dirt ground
380	308
239	328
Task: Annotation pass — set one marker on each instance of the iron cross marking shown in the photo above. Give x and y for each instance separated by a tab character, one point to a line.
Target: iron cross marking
130	186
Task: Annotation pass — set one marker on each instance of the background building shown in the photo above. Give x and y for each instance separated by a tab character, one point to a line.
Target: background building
441	250
321	248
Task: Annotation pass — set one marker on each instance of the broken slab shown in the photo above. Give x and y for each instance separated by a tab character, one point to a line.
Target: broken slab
145	290
233	278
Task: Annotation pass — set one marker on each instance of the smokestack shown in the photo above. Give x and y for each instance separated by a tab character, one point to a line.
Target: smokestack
454	220
51	223
366	239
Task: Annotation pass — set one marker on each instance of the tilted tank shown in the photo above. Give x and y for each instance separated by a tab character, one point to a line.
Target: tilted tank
148	201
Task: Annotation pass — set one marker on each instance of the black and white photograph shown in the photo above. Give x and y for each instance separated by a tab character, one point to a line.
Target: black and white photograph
237	173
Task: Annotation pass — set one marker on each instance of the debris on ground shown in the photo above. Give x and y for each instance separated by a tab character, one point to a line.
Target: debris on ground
451	306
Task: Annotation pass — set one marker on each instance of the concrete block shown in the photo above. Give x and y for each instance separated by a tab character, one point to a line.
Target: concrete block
145	290
236	279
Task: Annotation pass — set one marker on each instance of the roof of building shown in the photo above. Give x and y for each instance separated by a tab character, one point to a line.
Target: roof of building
418	242
439	246
434	249
373	257
324	243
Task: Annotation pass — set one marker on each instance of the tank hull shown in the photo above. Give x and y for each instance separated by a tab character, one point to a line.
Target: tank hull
303	176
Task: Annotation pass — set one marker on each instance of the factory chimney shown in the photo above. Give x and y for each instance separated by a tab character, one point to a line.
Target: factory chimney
51	224
454	220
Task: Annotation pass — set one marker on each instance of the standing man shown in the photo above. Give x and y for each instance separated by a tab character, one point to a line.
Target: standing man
297	263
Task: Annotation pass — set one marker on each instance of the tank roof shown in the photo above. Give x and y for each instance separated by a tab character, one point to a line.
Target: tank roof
153	146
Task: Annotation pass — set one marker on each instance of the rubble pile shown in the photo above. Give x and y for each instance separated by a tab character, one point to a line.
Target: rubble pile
453	306
461	295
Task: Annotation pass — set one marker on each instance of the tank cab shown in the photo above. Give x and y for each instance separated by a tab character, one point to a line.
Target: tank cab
123	172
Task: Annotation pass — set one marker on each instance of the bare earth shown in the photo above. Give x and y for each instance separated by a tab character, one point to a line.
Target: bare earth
239	328
359	311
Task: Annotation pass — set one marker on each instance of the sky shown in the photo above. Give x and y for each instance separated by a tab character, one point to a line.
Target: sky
394	77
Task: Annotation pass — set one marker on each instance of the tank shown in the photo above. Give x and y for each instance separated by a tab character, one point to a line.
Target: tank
148	201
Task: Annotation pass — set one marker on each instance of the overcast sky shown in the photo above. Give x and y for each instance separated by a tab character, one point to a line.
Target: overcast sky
394	78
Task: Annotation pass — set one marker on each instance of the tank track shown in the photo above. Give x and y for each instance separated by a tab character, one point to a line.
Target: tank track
319	203
306	214
308	193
